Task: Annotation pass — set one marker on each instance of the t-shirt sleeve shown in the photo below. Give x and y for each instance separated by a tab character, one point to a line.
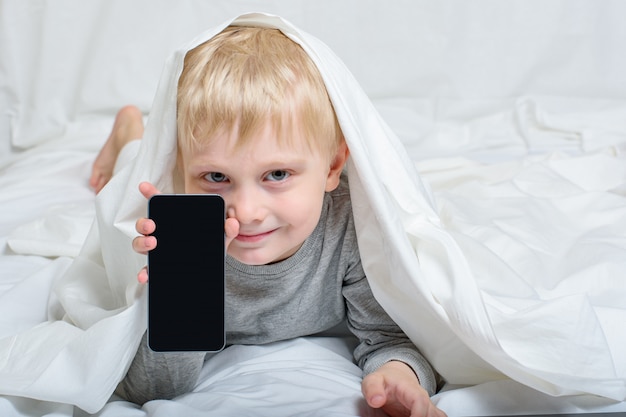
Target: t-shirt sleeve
380	339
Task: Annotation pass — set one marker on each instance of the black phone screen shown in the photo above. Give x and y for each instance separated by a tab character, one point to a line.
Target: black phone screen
186	293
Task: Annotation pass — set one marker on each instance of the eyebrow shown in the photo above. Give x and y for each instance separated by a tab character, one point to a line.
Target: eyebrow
217	166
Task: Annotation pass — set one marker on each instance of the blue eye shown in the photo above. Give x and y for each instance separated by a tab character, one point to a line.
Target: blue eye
278	175
215	177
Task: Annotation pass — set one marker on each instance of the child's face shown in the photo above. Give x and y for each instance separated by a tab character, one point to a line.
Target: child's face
274	191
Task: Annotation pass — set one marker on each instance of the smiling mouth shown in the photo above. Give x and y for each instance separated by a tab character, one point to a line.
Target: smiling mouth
253	238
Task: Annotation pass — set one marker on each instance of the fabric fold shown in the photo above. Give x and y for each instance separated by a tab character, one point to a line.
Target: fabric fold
433	276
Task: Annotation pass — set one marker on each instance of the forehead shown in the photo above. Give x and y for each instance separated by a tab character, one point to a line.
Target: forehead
276	134
264	140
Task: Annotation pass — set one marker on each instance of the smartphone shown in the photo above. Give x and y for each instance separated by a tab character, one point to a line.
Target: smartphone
186	289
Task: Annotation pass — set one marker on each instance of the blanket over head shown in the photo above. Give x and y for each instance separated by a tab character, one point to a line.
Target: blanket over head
470	314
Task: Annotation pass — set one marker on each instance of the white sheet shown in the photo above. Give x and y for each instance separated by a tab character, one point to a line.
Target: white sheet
492	127
237	382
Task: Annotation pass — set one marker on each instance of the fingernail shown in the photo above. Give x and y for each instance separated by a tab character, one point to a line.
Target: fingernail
377	400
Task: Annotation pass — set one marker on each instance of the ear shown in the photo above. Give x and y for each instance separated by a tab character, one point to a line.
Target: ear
336	167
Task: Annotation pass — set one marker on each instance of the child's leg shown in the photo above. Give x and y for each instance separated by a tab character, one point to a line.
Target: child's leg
127	127
158	375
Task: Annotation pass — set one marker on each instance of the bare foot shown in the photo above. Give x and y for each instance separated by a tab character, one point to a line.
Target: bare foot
128	126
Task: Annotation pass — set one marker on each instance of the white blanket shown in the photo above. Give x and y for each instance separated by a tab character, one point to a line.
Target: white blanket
489	274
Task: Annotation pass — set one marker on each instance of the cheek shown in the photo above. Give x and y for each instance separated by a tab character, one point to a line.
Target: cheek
303	209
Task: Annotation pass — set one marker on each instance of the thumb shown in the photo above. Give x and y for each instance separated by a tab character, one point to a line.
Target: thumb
148	190
373	389
231	230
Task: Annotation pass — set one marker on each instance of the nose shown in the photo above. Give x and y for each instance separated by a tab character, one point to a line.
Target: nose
246	205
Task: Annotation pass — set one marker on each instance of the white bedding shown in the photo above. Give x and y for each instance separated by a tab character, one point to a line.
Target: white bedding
548	130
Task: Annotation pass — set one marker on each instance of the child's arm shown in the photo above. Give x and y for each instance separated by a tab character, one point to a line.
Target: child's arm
398	378
154	375
157	375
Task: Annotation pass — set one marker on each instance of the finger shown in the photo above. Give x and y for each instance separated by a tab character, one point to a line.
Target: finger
373	389
148	190
145	226
436	412
231	230
144	244
418	401
142	276
427	409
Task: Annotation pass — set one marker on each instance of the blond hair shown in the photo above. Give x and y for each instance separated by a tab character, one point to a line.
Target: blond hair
246	76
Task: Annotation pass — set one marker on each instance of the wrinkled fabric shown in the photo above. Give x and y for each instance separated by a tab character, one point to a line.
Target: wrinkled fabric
489	270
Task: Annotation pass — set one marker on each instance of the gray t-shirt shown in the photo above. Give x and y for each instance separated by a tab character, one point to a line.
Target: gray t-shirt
312	291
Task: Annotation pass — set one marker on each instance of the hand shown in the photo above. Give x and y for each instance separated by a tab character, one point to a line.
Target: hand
145	227
395	388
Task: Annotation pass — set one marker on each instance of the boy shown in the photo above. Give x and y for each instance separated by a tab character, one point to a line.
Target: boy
255	125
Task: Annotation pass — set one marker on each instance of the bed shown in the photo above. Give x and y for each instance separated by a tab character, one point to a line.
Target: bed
514	114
